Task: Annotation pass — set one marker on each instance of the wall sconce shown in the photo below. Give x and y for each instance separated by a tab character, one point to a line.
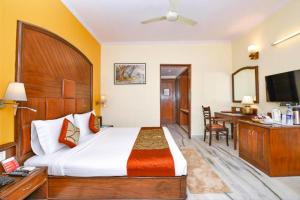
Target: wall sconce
15	92
253	52
103	100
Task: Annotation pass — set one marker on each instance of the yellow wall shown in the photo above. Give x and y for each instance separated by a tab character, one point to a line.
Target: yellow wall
273	59
53	16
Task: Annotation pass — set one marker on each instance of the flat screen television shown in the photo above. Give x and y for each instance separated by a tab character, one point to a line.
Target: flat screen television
283	87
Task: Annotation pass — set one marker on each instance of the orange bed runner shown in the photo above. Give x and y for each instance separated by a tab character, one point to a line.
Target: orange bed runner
151	155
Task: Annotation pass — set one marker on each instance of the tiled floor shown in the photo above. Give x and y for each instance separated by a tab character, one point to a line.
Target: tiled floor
245	181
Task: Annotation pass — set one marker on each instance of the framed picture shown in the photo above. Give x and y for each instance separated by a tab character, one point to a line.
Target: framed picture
166	92
130	73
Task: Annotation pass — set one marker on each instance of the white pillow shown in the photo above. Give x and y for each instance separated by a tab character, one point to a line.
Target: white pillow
48	132
35	143
82	122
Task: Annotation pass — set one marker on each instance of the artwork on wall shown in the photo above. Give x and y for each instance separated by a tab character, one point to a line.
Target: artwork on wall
130	73
166	92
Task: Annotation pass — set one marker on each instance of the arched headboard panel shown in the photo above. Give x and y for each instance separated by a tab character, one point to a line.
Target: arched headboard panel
57	78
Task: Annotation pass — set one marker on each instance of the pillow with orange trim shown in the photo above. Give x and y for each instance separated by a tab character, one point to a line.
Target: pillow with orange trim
69	134
94	124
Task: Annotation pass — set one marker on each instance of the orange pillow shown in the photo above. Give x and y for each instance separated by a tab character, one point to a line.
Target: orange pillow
69	134
94	124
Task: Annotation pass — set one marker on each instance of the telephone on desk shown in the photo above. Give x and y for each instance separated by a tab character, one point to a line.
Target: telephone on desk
21	171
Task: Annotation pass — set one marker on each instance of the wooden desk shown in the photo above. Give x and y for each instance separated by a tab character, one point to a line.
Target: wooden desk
234	119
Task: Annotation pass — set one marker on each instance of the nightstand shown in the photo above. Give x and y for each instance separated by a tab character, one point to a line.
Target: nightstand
34	186
103	125
106	126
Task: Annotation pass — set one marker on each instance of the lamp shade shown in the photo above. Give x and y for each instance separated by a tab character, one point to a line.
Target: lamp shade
15	92
252	48
247	100
103	99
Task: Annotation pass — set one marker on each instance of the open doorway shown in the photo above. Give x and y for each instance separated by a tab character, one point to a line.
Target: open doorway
175	95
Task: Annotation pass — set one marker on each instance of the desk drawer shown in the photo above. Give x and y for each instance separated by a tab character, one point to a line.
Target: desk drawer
26	188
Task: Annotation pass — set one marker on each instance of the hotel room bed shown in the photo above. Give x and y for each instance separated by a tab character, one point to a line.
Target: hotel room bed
58	79
102	154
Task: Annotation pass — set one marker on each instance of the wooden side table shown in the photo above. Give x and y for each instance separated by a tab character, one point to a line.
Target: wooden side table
34	186
107	126
103	125
100	119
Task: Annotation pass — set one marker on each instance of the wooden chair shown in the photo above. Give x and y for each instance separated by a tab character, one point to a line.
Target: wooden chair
211	125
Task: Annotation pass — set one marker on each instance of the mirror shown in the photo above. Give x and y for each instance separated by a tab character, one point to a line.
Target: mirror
245	83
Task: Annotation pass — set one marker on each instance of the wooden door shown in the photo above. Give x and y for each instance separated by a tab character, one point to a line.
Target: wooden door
167	102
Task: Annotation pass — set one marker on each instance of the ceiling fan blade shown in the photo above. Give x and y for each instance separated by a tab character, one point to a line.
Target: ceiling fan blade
154	20
174	5
185	20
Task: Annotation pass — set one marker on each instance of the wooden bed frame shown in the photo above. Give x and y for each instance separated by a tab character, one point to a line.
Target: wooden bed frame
58	79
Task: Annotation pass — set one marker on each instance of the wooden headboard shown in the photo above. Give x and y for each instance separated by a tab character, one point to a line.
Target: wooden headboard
57	78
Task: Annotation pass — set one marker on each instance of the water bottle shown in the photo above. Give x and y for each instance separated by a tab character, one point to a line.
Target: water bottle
289	115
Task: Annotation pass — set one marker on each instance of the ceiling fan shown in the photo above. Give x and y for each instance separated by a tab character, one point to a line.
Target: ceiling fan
172	16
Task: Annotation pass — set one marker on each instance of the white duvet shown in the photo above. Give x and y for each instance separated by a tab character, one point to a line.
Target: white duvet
103	154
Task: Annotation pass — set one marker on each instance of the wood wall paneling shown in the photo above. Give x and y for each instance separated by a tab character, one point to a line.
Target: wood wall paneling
69	89
183	84
177	88
82	105
69	106
184	107
54	108
57	78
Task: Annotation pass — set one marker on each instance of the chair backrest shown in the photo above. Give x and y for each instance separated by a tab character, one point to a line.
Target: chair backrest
206	115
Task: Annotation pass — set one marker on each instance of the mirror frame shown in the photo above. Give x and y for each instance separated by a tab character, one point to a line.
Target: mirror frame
255	68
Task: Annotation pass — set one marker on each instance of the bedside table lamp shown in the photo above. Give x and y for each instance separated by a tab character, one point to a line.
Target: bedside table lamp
247	102
103	101
15	92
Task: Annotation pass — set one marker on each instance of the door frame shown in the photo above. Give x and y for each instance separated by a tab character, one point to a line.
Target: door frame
189	71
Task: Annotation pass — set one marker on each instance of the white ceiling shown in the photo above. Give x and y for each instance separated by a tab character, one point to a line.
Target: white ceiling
171	71
119	20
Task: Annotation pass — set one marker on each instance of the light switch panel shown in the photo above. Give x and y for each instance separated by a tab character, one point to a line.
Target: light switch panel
2	155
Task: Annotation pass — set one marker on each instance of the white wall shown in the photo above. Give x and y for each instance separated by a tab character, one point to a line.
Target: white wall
273	59
139	105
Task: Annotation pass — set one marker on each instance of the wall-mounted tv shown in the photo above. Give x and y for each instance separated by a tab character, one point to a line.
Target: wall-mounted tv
283	87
